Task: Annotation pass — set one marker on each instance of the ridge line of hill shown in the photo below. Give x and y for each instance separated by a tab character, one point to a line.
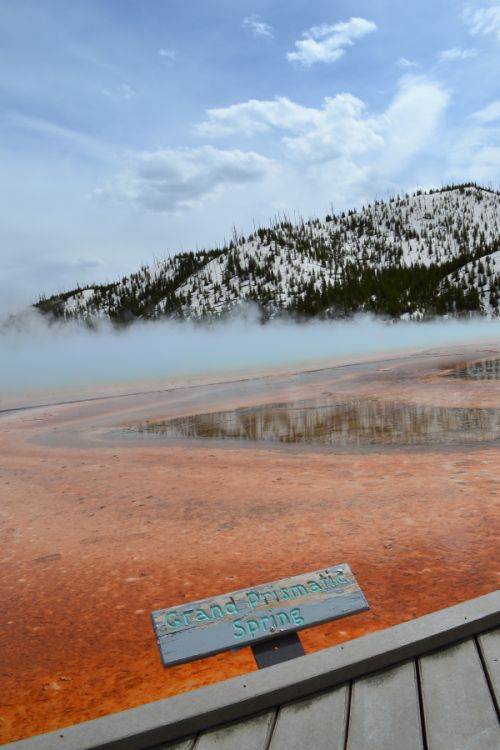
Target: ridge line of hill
431	253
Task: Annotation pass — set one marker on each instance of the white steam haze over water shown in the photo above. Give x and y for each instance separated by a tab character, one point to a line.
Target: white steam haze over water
39	357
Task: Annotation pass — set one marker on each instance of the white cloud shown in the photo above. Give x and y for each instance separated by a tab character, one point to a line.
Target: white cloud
483	21
257	116
167	54
336	128
489	113
340	151
175	179
123	92
403	62
340	128
257	27
410	121
455	53
327	43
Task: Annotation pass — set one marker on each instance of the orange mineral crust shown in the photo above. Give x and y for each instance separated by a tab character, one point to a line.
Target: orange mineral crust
97	530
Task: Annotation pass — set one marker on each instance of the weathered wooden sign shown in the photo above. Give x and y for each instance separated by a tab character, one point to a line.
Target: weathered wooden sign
242	618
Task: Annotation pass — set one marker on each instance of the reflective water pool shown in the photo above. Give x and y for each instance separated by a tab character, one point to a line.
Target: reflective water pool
337	423
487	369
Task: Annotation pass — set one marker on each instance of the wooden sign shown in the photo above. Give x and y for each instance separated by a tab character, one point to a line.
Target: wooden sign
242	618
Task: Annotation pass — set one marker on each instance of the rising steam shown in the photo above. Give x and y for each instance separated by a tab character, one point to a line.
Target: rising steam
39	357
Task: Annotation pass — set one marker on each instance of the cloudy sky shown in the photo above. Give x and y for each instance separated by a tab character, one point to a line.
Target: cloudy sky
132	129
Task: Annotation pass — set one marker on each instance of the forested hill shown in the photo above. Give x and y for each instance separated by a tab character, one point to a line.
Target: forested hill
414	256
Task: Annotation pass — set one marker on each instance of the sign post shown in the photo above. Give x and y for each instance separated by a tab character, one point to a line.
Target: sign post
265	617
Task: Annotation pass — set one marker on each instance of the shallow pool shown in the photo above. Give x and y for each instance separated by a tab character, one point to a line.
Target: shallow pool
487	369
338	423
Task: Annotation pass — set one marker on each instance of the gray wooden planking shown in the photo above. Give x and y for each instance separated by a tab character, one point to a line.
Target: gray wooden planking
489	643
251	734
385	711
318	722
458	707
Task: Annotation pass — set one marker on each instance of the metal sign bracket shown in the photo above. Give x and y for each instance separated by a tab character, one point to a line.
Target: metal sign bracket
277	650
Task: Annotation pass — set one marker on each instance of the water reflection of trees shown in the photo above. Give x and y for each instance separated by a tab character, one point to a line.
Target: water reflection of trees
359	422
487	369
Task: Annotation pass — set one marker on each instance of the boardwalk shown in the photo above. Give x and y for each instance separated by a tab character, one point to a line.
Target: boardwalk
428	684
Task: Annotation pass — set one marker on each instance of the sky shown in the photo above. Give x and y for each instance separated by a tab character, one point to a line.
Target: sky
134	129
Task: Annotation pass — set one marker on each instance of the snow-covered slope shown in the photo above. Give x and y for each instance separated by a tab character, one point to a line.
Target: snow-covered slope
409	256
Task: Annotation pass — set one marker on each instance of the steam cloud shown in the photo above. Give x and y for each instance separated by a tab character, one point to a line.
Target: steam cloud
39	357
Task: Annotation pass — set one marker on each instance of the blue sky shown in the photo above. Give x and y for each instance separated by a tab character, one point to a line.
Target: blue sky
131	129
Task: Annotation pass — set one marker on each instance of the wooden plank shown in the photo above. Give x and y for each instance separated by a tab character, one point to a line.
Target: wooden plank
244	617
318	722
489	643
251	734
458	708
385	711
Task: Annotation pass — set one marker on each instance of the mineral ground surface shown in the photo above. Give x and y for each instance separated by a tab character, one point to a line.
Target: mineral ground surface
99	526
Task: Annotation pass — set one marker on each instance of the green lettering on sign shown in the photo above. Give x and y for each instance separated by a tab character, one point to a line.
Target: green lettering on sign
197	629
